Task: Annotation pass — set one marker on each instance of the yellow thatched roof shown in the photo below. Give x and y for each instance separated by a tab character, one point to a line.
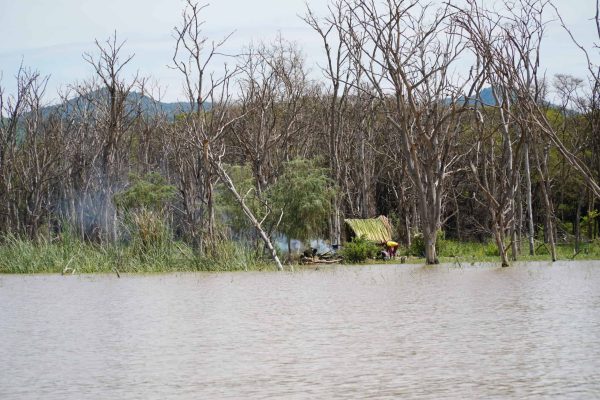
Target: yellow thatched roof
374	229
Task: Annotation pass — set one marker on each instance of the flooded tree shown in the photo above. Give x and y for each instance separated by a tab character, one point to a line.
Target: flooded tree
406	52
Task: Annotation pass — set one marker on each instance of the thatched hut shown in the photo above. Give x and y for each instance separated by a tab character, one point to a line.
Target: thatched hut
377	230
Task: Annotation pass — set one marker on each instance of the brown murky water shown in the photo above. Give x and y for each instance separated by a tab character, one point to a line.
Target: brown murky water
530	331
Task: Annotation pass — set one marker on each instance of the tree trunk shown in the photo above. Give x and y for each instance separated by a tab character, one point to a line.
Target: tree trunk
551	240
336	224
577	224
501	249
408	229
457	218
542	166
498	226
430	250
519	223
531	233
513	245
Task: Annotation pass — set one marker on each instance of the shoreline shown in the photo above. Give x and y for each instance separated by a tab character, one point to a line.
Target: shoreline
270	268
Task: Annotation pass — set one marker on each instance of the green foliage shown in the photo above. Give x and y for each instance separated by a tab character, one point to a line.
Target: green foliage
358	250
150	192
304	193
472	250
149	232
491	249
234	256
590	217
71	255
228	207
143	203
417	247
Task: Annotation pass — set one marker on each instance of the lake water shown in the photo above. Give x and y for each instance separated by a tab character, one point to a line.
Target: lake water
529	331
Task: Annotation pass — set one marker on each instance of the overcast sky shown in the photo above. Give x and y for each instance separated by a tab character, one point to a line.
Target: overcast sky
52	35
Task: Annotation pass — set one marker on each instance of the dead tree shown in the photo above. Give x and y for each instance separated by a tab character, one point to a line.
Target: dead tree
495	169
527	23
25	156
113	114
508	45
208	97
503	138
272	89
338	73
589	104
408	58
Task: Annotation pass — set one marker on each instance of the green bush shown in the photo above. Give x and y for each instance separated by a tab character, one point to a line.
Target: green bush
358	250
491	249
150	192
417	247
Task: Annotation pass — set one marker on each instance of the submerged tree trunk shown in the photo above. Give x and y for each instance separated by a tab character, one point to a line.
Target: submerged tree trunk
430	250
498	227
513	240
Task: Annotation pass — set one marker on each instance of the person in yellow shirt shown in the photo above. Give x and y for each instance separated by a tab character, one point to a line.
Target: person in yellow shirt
391	247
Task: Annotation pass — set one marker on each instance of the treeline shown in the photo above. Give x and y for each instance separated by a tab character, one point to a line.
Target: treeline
398	125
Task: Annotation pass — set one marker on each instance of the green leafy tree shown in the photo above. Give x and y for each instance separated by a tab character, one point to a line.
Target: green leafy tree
303	193
150	192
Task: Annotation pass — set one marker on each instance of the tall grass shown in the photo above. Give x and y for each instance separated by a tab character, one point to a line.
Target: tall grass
476	251
70	255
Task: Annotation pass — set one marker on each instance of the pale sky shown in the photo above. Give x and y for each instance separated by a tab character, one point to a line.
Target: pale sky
52	35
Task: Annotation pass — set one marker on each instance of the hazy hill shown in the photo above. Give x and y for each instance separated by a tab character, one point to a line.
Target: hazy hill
147	105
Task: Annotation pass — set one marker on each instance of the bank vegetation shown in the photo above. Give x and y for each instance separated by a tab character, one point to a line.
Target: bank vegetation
437	115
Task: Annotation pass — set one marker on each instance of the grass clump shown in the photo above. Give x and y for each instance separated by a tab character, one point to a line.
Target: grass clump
72	255
234	256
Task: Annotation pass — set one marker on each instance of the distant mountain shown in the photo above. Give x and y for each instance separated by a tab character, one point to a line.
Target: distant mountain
150	107
147	105
486	97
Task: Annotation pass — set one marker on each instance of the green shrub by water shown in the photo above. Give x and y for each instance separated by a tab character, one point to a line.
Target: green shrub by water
359	250
417	247
488	251
68	254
